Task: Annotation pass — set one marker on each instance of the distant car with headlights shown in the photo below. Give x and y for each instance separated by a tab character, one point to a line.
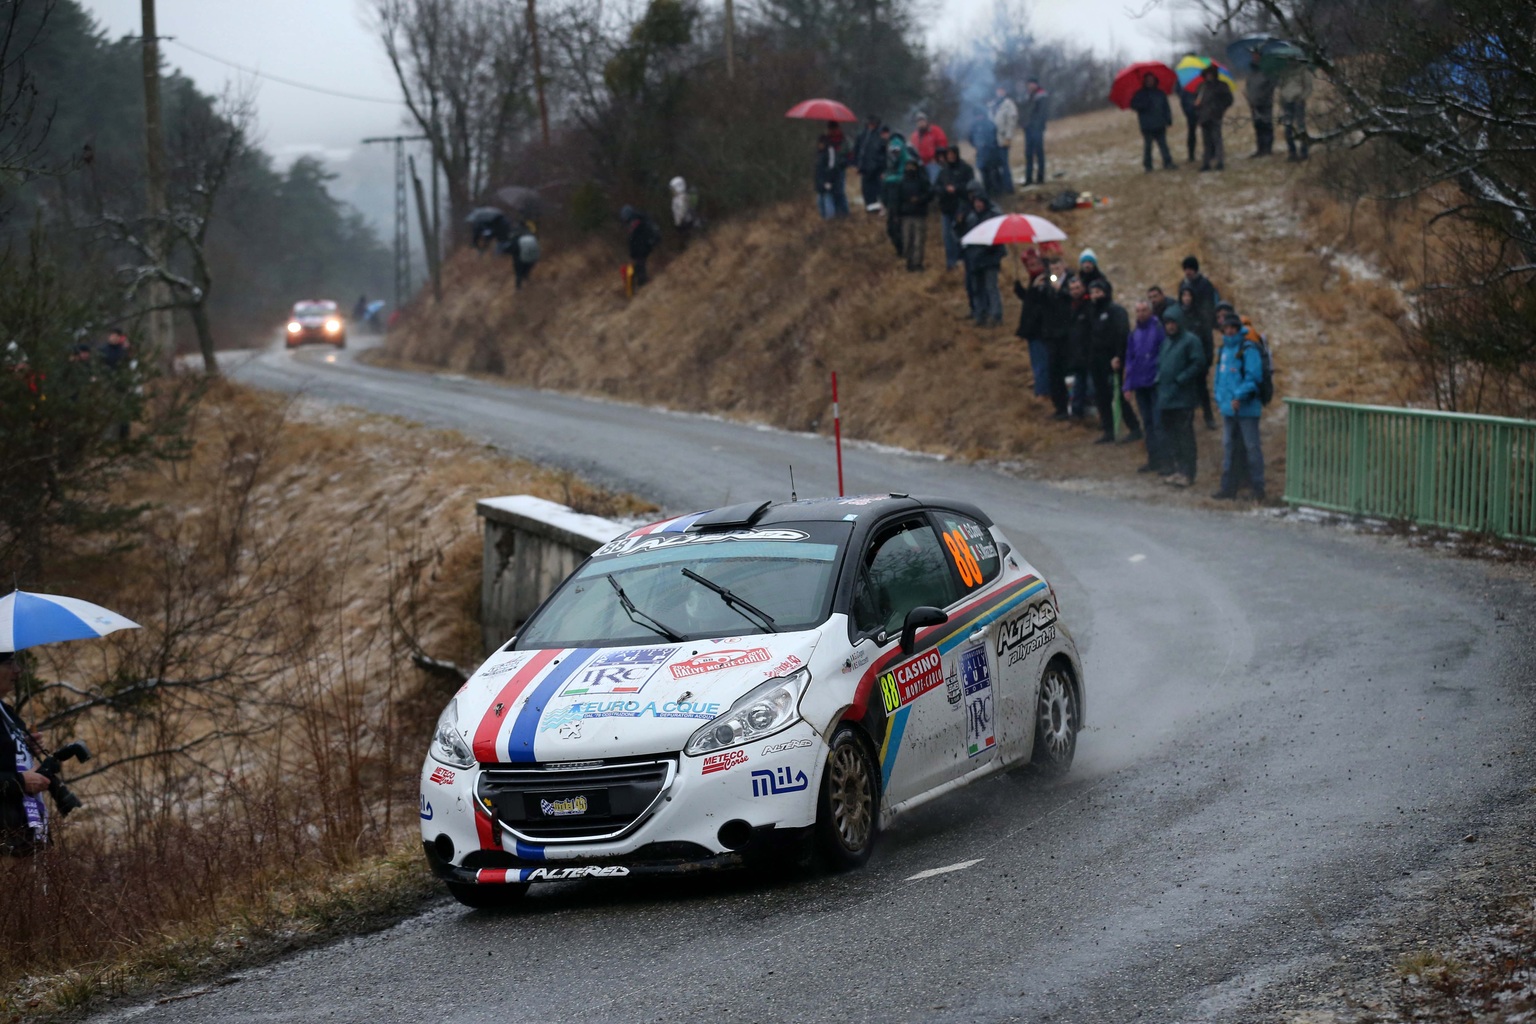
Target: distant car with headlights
316	320
752	683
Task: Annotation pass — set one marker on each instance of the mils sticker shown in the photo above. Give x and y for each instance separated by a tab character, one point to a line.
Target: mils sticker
976	677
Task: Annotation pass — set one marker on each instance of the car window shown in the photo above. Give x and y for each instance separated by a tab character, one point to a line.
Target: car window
971	549
904	567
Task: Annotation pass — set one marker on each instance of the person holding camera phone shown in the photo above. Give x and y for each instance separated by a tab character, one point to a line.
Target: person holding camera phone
23	815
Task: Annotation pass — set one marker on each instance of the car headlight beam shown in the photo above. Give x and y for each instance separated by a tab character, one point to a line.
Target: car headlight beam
770	707
332	326
294	327
448	745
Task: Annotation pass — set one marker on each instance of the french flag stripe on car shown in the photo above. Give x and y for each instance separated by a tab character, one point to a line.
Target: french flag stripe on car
490	723
485	830
528	851
520	741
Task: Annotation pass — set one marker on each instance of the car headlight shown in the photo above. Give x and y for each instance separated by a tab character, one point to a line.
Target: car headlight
448	744
332	326
767	709
294	327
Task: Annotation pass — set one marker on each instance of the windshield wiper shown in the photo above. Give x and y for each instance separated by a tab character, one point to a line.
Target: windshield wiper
735	603
639	617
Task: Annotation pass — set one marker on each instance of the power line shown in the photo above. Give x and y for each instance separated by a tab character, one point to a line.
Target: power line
284	81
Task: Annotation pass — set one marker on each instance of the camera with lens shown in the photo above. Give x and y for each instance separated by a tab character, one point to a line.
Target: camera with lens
63	797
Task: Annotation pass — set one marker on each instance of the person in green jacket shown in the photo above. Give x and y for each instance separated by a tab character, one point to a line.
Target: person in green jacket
897	153
1180	369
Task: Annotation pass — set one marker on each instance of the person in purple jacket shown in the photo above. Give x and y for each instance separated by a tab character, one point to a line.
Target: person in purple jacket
1142	350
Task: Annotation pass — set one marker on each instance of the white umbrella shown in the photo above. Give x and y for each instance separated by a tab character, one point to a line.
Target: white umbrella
1013	227
27	620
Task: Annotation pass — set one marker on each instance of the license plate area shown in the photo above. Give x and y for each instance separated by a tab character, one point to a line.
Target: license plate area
562	805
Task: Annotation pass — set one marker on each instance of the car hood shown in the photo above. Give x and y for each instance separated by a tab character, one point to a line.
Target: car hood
581	703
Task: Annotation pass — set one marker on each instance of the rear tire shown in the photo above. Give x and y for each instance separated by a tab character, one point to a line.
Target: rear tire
488	897
1056	719
848	808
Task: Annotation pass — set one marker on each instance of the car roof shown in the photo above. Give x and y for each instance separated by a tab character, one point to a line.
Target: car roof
327	303
851	508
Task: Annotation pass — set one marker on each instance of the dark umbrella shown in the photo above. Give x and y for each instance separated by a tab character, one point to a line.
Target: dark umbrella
516	197
1275	55
484	215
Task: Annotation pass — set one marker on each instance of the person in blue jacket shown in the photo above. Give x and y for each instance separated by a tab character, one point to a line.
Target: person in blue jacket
1239	368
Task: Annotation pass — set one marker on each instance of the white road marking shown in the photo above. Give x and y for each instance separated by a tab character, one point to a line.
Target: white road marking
1138	558
944	870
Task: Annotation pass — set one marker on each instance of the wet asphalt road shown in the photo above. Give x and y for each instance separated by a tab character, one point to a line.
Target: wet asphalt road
1286	723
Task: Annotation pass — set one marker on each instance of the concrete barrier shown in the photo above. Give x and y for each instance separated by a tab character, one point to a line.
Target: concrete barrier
530	546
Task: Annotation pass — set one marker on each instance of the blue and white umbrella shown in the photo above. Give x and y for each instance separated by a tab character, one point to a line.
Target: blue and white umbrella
27	620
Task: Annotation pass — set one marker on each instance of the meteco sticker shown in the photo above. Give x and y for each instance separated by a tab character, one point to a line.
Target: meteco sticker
441	776
724	762
714	661
905	683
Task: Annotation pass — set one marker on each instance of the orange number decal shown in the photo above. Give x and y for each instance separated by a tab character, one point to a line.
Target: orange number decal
970	572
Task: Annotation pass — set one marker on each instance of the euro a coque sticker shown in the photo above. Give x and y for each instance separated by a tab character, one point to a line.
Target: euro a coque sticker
556	717
563	807
655	541
1019	638
976	676
905	683
625	671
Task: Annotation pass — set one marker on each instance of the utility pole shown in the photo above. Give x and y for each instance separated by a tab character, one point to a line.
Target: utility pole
402	216
160	323
730	38
434	265
538	69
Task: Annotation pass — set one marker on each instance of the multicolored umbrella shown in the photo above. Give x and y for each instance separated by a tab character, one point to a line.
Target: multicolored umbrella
27	620
821	110
1128	81
1013	227
1189	70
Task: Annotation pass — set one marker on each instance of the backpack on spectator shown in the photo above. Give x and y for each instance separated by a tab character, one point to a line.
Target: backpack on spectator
1064	201
1267	378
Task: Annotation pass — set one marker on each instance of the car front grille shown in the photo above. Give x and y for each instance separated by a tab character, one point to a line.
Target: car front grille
576	803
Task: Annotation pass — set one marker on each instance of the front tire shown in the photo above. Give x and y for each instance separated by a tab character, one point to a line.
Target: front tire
1056	720
488	897
848	808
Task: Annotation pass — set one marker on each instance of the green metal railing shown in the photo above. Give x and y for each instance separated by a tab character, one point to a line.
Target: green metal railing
1437	468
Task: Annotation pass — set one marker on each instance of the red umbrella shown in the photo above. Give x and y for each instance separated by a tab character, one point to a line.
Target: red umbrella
1128	81
1013	227
821	110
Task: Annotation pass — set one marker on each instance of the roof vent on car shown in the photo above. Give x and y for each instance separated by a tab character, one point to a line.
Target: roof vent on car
744	514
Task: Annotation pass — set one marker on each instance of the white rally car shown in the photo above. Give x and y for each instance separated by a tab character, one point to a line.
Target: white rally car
748	684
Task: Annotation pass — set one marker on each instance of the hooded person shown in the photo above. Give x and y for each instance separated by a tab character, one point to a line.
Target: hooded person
1201	318
1032	118
1180	369
930	142
1212	100
643	236
1088	270
897	154
1153	117
1109	329
1239	369
823	171
913	199
982	262
1259	91
685	210
955	177
1138	381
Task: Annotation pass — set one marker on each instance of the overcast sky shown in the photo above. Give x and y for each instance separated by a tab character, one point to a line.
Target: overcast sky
329	44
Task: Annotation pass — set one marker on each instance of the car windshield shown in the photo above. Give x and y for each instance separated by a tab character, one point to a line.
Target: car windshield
314	308
787	573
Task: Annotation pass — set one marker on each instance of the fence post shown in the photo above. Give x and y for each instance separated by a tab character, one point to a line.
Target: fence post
1498	497
1295	470
1357	461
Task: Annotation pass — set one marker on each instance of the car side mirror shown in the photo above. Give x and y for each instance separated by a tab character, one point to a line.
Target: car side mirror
917	618
1004	549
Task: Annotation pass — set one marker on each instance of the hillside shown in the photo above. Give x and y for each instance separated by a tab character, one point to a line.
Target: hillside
750	320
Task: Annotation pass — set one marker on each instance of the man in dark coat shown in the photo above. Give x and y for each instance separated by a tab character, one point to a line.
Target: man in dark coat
1212	101
1033	114
955	177
1153	117
869	158
913	198
1159	301
989	156
983	261
1259	90
643	236
23	818
1180	371
1203	325
1109	326
1043	324
1079	329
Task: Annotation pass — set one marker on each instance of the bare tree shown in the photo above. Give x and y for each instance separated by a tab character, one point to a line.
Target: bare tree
207	145
464	71
22	130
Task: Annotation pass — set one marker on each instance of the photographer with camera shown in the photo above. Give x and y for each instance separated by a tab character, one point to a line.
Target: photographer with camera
23	816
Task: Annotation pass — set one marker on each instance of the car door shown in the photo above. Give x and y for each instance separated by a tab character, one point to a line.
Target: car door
977	735
903	566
